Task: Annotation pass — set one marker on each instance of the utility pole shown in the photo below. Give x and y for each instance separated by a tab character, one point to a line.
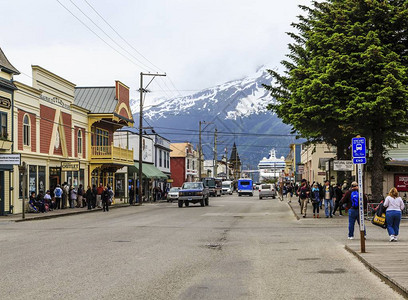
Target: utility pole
226	163
215	153
142	90
199	151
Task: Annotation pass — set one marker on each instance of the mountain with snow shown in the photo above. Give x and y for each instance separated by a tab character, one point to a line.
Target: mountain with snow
237	109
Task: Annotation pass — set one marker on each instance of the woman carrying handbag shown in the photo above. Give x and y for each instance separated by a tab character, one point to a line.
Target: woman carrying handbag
394	205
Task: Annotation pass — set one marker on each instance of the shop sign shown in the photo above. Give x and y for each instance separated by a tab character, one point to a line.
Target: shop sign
56	101
321	173
401	182
5	102
170	180
343	165
10	159
69	166
301	169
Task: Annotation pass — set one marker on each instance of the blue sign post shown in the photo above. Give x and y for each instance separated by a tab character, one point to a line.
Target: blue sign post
359	158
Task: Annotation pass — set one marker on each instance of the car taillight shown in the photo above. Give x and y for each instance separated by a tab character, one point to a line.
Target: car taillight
259	190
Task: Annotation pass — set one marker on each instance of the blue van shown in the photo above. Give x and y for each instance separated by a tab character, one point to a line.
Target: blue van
245	187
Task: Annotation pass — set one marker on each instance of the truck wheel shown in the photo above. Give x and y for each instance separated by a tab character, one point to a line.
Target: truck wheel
186	203
206	201
260	198
180	203
202	202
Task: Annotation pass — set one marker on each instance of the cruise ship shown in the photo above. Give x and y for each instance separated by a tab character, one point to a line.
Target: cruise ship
271	167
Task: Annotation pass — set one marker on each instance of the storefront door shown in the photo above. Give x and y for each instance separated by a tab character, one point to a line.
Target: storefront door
55	177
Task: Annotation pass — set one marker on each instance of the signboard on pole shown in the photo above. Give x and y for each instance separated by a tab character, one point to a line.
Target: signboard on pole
359	158
343	165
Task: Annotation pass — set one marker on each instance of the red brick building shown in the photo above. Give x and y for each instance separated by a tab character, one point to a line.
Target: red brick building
183	163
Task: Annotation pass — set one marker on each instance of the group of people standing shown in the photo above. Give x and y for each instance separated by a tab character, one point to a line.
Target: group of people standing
340	197
69	196
319	194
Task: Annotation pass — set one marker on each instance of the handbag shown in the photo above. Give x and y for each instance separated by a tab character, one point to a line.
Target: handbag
380	221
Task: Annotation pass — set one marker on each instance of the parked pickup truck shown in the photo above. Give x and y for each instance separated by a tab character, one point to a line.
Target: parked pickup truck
193	192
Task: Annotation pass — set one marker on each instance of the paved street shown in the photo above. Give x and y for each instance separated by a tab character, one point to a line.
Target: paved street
237	248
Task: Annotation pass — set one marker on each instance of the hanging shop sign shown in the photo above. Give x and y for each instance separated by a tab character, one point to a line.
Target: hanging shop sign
343	165
69	166
5	102
10	159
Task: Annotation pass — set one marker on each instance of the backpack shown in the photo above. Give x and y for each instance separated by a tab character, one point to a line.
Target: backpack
354	199
58	192
303	194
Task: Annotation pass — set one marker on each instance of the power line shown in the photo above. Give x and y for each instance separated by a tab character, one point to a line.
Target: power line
146	67
83	23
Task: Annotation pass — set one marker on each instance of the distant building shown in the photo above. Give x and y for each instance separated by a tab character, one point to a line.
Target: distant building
235	163
183	163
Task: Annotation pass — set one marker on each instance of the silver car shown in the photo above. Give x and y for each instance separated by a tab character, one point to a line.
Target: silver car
267	190
173	194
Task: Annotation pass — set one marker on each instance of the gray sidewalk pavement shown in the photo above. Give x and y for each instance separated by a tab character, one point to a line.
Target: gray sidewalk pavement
55	213
385	259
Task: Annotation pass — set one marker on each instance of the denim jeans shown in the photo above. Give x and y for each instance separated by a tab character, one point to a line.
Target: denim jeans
393	218
353	217
326	207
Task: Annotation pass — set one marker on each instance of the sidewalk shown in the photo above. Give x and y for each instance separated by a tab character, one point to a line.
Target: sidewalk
386	260
54	214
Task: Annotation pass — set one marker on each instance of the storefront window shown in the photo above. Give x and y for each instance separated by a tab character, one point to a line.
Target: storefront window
32	183
82	177
120	185
20	184
94	179
69	177
41	178
79	142
160	158
3	125
26	131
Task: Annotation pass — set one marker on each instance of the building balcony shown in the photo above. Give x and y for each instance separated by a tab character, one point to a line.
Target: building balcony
111	155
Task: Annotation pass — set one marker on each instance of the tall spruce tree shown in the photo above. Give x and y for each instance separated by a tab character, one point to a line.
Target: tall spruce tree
347	74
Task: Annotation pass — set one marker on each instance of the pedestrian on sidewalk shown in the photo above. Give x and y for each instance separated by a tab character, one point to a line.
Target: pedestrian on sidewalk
94	193
394	205
304	194
105	199
99	192
131	195
58	196
328	199
89	197
72	196
315	196
80	195
350	198
65	195
338	194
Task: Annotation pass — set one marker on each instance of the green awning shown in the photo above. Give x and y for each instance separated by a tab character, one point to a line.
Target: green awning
149	171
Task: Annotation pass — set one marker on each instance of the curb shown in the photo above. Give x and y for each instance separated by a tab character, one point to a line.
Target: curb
294	213
389	281
45	217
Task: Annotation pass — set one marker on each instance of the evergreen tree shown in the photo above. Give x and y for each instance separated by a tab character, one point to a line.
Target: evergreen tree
347	74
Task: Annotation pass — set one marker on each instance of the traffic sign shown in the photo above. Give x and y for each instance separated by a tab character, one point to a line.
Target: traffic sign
359	160
359	147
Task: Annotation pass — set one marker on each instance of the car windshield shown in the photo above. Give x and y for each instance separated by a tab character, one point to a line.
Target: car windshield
226	184
174	189
245	183
265	187
192	185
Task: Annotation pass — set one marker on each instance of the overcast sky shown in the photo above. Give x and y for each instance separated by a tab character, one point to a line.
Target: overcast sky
198	43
